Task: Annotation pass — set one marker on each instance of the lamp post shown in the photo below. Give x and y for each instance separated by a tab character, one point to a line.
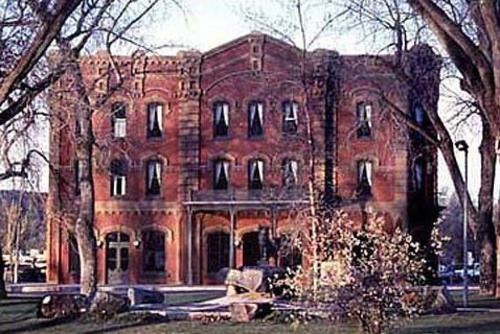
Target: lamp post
462	146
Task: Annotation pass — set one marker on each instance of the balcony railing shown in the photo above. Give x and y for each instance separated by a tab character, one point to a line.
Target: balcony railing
274	195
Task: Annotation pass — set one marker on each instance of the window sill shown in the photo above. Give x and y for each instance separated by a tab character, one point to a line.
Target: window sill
155	138
259	137
154	197
366	138
222	138
118	197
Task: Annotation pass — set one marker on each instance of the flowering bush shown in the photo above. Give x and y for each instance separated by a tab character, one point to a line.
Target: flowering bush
366	273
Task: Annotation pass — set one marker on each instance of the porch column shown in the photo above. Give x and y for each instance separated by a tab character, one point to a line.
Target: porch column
189	245
273	221
232	223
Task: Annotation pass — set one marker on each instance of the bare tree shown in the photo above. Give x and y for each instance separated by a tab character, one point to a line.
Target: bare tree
463	35
27	30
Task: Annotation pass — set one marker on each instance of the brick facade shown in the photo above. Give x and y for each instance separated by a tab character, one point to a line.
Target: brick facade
252	77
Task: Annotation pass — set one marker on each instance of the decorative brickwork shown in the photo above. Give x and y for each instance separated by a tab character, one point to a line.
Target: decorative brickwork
256	91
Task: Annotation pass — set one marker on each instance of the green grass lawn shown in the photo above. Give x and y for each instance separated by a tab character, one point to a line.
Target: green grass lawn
18	316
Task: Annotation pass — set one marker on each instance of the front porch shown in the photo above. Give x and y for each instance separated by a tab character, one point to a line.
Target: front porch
223	228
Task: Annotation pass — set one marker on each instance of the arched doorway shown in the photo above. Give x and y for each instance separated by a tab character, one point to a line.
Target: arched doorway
217	253
251	252
117	258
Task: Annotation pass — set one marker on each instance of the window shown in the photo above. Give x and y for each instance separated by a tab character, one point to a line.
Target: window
255	174
221	119
119	120
290	117
255	119
153	253
364	120
418	114
221	174
118	178
365	177
419	174
153	177
155	120
74	255
217	252
290	173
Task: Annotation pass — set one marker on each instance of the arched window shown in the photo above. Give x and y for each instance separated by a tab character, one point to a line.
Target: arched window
153	177
256	174
118	180
221	119
365	177
255	119
290	117
119	120
364	120
155	120
290	172
153	251
221	177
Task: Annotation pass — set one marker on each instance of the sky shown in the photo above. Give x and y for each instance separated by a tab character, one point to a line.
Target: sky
205	24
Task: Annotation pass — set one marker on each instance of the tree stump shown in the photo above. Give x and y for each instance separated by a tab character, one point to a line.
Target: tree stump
247	311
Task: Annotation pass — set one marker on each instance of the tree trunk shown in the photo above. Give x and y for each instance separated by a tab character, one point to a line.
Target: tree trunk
486	228
3	291
84	232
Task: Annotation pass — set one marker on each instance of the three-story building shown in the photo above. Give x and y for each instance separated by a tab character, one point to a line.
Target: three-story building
195	153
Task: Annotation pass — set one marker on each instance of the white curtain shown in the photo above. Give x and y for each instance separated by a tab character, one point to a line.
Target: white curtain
294	167
253	166
159	116
260	112
368	114
151	171
124	185
218	170
225	114
151	116
226	169
253	111
295	112
369	171
158	172
260	169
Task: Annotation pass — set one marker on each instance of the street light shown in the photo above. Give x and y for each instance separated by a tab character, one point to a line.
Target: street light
461	145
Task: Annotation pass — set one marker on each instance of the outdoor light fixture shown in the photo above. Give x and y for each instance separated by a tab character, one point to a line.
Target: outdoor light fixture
462	146
136	243
99	243
237	242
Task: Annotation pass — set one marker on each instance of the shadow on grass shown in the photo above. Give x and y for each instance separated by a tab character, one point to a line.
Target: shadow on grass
38	325
118	327
16	320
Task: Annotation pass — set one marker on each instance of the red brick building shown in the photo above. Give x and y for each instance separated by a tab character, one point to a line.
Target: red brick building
197	151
